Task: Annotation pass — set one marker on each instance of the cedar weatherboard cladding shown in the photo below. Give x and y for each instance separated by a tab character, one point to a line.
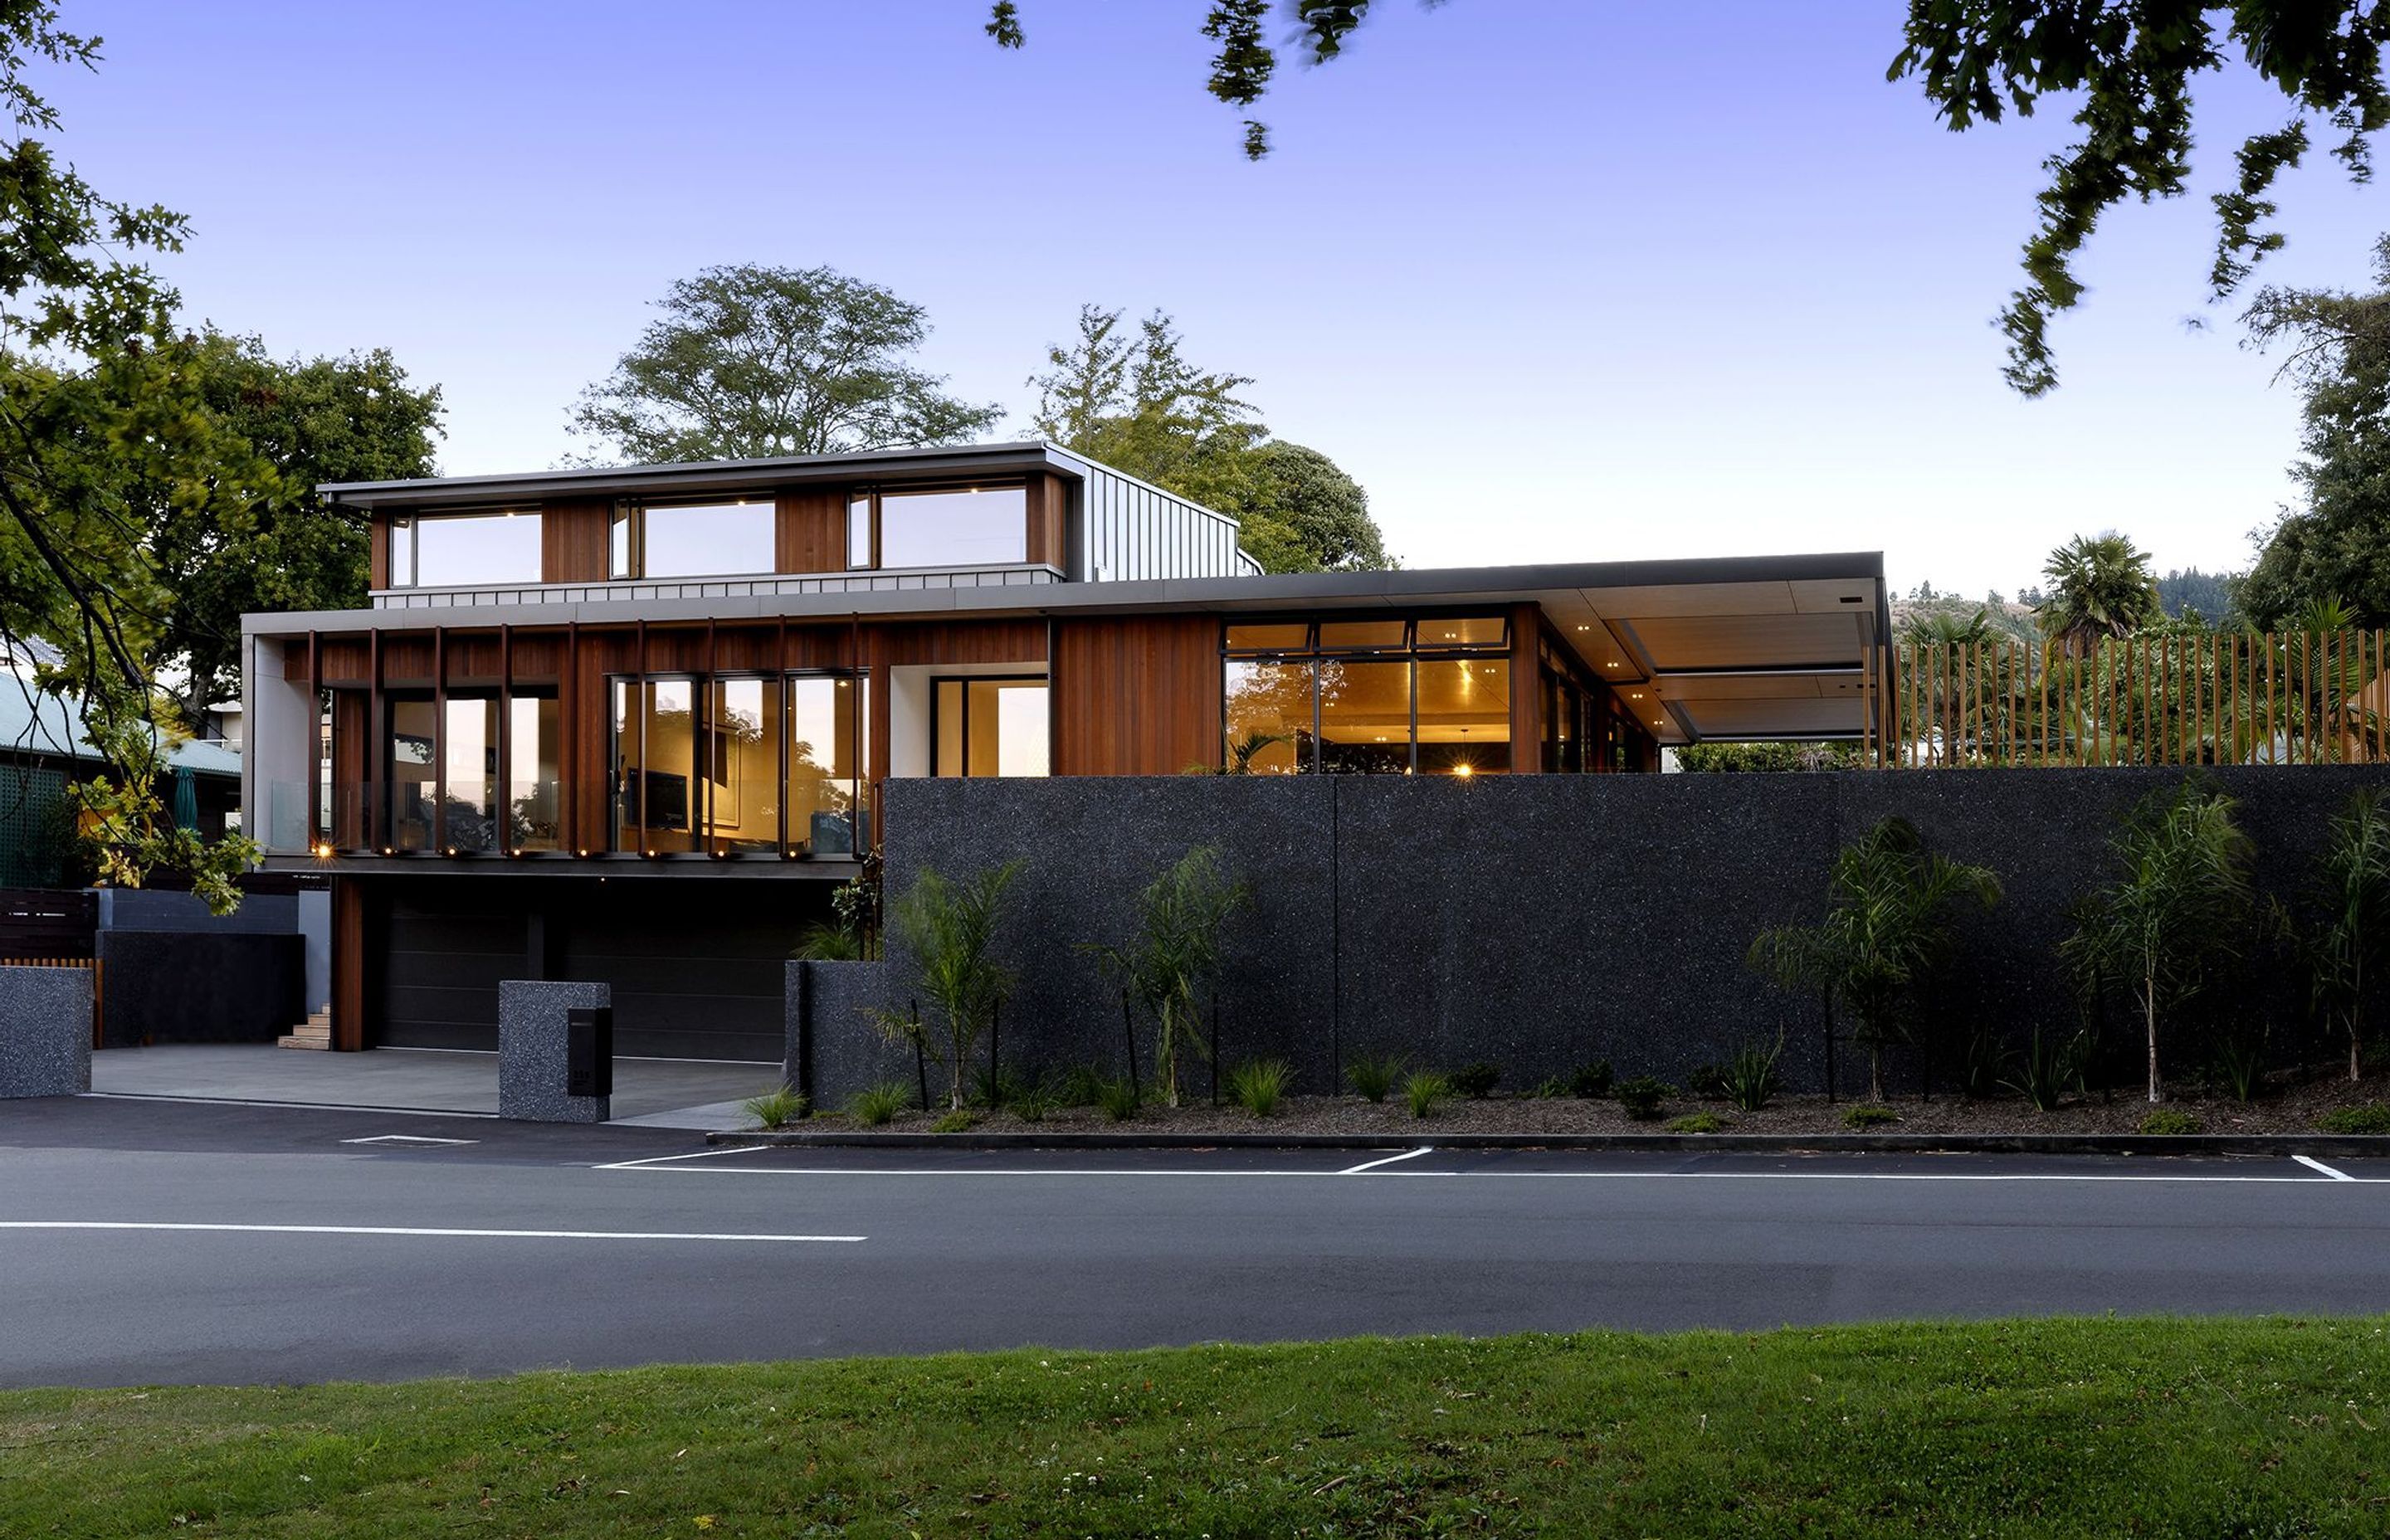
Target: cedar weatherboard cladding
576	539
1136	696
809	532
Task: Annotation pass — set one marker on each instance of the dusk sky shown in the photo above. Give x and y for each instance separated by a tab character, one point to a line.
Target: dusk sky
1555	279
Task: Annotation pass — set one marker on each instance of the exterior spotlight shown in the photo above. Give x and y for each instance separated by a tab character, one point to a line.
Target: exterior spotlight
1464	768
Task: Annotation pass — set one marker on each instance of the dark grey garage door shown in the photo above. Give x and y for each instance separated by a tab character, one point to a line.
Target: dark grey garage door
696	965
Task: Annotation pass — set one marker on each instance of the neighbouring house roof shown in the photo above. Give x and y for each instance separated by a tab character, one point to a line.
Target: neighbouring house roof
37	725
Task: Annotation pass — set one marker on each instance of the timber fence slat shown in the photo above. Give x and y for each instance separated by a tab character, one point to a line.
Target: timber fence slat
2222	698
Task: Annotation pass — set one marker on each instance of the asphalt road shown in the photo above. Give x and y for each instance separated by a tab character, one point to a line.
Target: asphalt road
150	1242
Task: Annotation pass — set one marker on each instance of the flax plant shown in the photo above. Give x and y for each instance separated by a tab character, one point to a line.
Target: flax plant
2178	913
1175	949
2348	953
1885	934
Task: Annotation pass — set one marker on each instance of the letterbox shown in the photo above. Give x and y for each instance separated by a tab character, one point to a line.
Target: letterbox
589	1051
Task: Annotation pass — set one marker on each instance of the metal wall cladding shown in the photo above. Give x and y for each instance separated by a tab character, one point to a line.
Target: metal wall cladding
1136	532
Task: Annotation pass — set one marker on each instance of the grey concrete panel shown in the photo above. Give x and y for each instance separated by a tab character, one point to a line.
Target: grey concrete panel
45	1031
532	1020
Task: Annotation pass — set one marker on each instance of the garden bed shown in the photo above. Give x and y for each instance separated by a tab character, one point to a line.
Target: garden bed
2296	1108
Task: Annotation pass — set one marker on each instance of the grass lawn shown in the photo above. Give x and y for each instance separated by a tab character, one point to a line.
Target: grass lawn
2060	1427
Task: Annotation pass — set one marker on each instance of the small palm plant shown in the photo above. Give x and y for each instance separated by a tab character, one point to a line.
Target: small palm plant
2178	912
2349	951
949	934
1885	934
1175	951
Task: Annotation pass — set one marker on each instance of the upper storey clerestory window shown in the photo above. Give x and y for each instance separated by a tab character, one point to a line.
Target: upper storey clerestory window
674	540
462	550
948	527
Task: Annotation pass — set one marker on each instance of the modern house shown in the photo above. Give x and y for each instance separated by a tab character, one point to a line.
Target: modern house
631	725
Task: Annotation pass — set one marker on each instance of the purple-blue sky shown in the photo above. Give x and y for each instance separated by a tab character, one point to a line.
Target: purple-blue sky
1554	279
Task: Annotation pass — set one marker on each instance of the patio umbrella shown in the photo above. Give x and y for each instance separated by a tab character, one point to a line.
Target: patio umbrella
186	799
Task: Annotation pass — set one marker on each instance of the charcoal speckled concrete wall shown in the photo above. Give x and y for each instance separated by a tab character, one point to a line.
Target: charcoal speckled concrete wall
45	1031
1536	922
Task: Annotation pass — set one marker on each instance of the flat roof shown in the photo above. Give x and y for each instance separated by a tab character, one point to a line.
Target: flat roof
712	475
1716	648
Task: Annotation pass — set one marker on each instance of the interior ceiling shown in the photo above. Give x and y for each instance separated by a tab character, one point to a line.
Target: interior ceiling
1730	659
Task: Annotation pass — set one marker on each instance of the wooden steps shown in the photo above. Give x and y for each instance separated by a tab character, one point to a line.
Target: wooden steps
316	1034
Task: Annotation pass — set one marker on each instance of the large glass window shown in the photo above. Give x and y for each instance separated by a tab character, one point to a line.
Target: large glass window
469	758
1269	716
694	539
656	794
989	727
742	768
456	550
1464	716
756	766
1365	717
825	788
535	772
409	771
1368	697
968	527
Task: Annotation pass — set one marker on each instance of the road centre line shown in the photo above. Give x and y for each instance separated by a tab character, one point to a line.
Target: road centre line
405	1230
1373	1165
2313	1163
1563	1175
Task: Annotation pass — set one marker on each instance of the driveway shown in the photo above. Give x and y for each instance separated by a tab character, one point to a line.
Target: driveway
672	1093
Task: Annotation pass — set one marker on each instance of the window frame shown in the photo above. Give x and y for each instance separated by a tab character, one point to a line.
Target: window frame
701	780
405	528
629	550
1314	652
875	497
937	681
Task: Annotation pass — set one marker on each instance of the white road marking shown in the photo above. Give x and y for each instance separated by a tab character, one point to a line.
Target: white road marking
1559	1175
410	1141
662	1159
1373	1165
416	1230
2313	1163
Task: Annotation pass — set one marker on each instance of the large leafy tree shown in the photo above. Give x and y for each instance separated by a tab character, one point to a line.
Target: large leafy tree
748	361
346	418
2337	548
1306	515
105	426
1129	397
2100	586
2125	66
105	436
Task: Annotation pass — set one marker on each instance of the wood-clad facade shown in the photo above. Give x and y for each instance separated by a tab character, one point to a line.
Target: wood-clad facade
515	768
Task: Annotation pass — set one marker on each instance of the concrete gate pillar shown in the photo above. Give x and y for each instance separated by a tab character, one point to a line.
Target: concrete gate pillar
533	1017
45	1031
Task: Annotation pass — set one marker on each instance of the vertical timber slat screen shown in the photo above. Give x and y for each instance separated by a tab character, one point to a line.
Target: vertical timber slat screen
2222	698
